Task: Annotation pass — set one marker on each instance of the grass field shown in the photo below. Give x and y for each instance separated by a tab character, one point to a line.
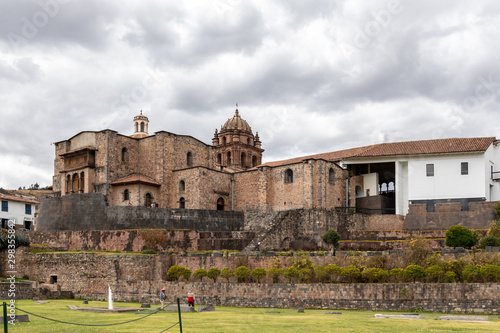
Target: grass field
226	319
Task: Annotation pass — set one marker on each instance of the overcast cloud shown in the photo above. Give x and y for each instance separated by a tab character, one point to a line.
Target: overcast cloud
309	76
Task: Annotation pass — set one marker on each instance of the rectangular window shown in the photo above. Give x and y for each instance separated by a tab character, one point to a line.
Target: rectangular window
5	206
430	170
28	209
464	168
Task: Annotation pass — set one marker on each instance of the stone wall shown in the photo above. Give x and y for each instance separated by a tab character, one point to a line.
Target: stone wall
89	212
445	215
21	290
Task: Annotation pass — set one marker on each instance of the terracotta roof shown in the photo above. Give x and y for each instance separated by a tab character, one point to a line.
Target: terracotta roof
136	178
421	147
18	198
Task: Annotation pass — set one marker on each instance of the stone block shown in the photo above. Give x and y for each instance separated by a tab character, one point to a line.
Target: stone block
17	319
465	318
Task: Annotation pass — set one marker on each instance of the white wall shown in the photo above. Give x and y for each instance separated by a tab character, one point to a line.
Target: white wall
447	182
492	158
17	212
401	187
370	184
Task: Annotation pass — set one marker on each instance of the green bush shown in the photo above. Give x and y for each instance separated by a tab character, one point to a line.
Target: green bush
213	273
175	272
303	262
450	277
352	273
488	241
19	240
321	273
434	273
149	252
494	229
185	273
396	273
458	236
305	274
226	273
374	275
242	273
333	271
471	273
258	273
200	273
291	273
413	272
275	273
490	273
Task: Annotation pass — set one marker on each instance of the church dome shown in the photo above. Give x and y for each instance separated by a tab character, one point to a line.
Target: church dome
236	123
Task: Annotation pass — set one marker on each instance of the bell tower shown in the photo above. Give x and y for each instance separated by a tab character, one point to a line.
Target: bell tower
236	148
140	126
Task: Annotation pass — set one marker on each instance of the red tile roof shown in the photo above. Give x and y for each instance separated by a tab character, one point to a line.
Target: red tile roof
136	178
18	198
421	147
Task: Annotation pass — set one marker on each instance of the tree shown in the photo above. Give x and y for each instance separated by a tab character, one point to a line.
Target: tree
200	273
352	273
459	236
305	274
291	273
175	272
374	274
213	273
332	237
471	273
242	273
275	273
396	273
490	273
413	272
333	271
226	274
434	273
321	273
186	273
258	273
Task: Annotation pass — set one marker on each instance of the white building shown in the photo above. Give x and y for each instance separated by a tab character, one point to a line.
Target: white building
391	176
17	208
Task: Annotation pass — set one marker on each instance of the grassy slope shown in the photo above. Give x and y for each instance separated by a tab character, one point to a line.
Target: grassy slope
226	319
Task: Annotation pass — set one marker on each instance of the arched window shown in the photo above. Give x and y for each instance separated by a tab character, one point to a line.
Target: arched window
254	160
248	141
359	191
331	176
137	127
219	158
76	183
228	158
182	203
142	127
189	159
182	186
68	184
124	155
243	159
220	204
126	195
288	176
82	182
148	199
224	140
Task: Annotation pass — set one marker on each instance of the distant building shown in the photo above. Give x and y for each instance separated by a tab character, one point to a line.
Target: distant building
19	209
179	171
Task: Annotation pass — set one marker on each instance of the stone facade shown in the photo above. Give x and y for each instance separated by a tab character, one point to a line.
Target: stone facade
139	279
178	171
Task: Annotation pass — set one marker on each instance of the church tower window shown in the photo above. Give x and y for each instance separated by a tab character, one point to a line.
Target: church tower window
126	195
182	186
124	155
331	176
189	159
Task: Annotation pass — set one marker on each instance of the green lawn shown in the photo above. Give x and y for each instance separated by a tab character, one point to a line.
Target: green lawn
226	319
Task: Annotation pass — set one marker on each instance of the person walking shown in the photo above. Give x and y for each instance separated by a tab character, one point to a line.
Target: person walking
191	298
162	298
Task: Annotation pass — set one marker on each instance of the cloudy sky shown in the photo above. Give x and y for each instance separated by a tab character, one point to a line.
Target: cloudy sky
309	76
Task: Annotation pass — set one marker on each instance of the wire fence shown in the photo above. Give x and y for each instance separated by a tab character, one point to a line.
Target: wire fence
94	325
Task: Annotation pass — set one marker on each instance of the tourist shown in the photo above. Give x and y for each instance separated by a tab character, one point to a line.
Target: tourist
191	298
162	298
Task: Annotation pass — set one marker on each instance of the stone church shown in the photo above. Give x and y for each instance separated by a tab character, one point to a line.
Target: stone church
168	170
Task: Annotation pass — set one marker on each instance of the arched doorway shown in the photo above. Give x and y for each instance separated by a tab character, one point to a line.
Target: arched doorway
148	199
182	203
220	204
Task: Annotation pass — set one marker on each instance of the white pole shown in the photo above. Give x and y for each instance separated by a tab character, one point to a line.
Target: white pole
110	298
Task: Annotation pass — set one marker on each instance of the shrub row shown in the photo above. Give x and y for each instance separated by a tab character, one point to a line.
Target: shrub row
349	274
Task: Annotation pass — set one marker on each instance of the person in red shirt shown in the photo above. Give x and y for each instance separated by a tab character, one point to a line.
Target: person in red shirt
191	298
